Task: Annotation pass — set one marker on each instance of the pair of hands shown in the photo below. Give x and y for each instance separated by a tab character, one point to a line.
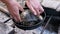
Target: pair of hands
33	5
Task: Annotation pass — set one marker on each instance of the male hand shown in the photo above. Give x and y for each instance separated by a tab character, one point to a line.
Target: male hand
35	6
14	8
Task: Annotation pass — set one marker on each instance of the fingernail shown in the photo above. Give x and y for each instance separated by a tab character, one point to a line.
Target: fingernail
35	13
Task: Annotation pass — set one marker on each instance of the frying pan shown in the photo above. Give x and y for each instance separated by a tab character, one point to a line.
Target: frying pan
21	26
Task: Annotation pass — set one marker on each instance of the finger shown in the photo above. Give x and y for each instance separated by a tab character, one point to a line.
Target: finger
31	8
16	16
41	8
14	11
37	11
20	7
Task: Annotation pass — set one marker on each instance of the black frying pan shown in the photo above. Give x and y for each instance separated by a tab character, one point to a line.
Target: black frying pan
38	23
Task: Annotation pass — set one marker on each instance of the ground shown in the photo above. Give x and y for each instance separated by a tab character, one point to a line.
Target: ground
3	17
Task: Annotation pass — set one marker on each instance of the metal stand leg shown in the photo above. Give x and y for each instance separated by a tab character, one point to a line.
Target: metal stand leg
46	25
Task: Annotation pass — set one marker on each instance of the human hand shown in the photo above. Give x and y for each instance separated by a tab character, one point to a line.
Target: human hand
35	6
14	8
